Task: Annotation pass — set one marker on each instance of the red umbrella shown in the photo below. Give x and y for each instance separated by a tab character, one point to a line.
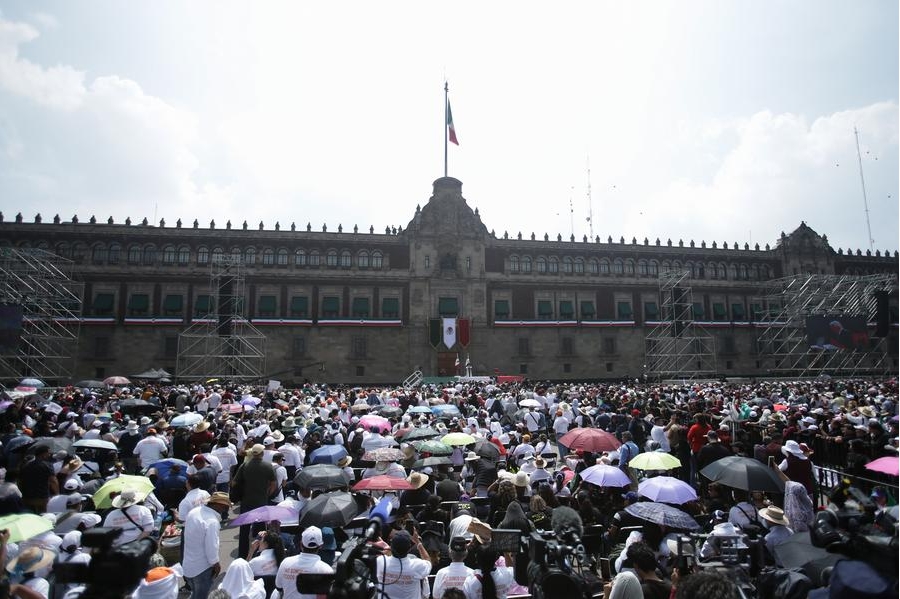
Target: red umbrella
590	439
886	465
382	482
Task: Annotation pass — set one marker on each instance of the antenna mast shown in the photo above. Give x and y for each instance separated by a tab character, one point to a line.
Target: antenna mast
590	200
862	180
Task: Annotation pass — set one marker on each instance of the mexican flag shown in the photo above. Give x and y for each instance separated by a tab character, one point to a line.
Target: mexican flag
451	131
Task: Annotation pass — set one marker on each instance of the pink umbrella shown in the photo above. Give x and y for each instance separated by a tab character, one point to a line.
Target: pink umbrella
232	408
886	465
370	420
382	482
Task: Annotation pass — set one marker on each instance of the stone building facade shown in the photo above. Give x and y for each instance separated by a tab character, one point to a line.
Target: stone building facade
354	306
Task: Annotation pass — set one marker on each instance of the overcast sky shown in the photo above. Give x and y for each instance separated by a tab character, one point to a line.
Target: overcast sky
726	121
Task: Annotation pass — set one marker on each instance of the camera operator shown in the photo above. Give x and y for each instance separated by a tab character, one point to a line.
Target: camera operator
557	563
307	562
401	576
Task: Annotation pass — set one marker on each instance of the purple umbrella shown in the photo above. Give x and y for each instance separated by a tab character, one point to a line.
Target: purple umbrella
250	401
666	489
266	513
328	454
604	475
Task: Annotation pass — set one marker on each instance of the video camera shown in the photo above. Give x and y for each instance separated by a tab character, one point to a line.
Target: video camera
113	571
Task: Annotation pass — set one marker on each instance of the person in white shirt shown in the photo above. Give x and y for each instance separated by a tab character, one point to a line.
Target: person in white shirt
400	576
227	458
280	477
136	521
194	497
307	562
201	544
150	449
292	459
454	575
271	553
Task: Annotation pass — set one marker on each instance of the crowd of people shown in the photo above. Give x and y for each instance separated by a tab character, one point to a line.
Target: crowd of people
469	462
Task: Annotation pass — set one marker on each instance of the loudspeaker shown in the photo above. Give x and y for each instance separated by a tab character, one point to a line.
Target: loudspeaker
882	314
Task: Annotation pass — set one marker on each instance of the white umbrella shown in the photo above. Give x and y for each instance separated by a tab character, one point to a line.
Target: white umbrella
529	403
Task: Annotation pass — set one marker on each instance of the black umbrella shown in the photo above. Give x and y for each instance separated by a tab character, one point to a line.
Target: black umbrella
748	474
335	509
487	450
420	434
90	384
389	411
137	405
322	477
662	514
19	443
797	551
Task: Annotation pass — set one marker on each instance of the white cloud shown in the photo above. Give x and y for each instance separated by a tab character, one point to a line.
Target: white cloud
59	87
44	20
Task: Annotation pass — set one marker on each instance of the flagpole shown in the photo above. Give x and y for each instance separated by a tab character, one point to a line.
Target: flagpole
446	104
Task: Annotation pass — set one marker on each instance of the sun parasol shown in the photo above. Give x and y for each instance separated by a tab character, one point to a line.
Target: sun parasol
667	489
744	473
604	475
418	434
590	439
335	509
662	514
36	383
433	447
887	465
529	403
328	454
382	482
373	420
265	513
186	420
116	381
419	410
458	439
432	461
389	411
22	527
445	410
654	460
383	454
140	484
322	477
95	444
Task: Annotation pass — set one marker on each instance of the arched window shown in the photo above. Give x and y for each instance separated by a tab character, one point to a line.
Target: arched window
300	257
99	254
331	259
642	268
79	252
666	266
184	254
268	257
377	259
754	272
362	259
629	267
618	266
553	265
579	265
526	264
314	258
216	255
593	266
604	266
236	254
541	265
346	259
134	254
149	256
202	255
513	264
250	256
169	254
282	258
653	268
567	265
711	271
721	271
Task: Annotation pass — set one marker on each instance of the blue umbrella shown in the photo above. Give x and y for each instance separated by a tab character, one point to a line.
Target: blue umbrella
38	383
419	410
444	409
328	454
162	467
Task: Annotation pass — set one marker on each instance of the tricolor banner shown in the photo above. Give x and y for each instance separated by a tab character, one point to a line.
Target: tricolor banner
434	332
448	326
463	329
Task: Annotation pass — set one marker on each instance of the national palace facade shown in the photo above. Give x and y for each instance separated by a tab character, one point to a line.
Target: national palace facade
355	305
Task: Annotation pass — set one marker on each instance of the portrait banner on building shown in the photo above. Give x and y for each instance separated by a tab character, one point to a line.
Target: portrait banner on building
463	331
448	325
434	332
837	332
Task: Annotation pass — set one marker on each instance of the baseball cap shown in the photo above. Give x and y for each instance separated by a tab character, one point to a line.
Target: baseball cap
72	484
257	450
312	538
401	543
199	458
268	441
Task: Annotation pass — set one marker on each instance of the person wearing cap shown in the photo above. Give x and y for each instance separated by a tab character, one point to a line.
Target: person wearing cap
306	562
205	472
70	553
136	521
455	574
254	482
201	543
25	567
150	449
400	575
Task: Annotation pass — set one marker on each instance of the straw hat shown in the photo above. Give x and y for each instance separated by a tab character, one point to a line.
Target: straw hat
521	479
219	498
539	462
201	426
30	559
775	515
472	456
417	480
278	436
128	497
345	461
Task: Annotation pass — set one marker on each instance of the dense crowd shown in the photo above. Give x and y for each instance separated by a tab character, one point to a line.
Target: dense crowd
608	487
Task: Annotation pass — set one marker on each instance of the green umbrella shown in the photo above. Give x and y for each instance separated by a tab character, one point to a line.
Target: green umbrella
433	447
140	484
654	460
458	439
24	526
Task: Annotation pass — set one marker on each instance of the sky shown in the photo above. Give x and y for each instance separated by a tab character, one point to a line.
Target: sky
705	120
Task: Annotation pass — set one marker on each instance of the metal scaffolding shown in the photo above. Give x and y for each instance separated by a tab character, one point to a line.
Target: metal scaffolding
782	344
222	344
38	285
677	347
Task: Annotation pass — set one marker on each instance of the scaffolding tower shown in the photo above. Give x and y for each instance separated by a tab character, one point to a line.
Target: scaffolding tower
677	347
785	304
40	323
222	344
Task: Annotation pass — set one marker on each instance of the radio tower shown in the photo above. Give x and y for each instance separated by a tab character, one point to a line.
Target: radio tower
862	180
